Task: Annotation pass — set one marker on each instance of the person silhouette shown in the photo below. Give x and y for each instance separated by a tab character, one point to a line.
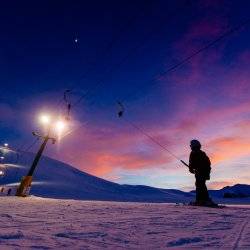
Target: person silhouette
200	166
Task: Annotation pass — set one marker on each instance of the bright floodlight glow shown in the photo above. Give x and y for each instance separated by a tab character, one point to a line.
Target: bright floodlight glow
6	144
2	158
45	119
60	125
1	172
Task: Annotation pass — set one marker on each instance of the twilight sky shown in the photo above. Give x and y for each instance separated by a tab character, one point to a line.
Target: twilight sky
124	49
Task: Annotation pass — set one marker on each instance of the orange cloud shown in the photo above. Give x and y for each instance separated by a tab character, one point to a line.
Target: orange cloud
227	148
103	163
101	151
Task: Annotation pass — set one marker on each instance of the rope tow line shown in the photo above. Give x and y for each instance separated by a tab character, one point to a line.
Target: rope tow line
120	114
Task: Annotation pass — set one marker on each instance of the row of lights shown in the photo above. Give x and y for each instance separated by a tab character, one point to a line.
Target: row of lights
50	123
58	125
5	145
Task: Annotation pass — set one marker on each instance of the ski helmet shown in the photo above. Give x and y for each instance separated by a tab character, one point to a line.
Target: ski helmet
195	144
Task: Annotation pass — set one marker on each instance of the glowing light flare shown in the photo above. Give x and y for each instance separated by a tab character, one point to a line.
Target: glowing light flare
60	126
6	145
1	173
54	126
45	119
5	150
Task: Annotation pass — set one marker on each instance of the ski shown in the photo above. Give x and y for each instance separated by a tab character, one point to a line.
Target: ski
196	205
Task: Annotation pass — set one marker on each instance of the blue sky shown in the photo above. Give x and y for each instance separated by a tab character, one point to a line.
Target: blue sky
124	49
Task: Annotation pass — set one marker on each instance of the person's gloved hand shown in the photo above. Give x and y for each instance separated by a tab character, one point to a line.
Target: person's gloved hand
191	170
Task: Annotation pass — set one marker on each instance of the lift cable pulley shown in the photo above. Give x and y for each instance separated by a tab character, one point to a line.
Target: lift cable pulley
66	99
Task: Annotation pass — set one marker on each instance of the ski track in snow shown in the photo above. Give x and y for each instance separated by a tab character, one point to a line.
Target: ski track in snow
39	223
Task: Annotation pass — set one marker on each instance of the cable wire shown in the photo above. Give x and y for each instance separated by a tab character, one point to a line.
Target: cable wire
142	131
128	55
227	33
174	67
25	150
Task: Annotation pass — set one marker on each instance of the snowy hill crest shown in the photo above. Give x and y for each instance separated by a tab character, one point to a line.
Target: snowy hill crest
54	179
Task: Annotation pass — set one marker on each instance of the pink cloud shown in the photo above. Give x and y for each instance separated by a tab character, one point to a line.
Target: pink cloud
197	113
200	32
101	151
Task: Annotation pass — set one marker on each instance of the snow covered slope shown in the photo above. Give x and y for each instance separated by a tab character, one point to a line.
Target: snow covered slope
55	179
39	223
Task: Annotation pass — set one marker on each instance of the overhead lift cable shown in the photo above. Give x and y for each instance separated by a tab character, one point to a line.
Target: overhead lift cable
174	67
218	39
142	131
108	49
24	149
227	33
221	37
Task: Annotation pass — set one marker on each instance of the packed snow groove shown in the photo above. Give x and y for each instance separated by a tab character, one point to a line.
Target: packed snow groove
73	224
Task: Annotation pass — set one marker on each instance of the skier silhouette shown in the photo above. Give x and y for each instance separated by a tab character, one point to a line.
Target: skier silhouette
200	166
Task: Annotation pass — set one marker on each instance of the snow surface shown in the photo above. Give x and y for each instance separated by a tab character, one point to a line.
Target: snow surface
41	223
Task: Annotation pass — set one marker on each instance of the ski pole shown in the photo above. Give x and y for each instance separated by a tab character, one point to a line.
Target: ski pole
184	163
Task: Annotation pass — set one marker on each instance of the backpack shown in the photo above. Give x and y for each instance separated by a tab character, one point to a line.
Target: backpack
207	166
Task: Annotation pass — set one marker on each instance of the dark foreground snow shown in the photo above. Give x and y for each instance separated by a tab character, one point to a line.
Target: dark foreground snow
41	223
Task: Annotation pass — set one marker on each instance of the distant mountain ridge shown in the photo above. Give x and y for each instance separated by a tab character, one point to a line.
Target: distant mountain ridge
235	191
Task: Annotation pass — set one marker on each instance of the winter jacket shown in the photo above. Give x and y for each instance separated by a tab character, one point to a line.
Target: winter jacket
199	164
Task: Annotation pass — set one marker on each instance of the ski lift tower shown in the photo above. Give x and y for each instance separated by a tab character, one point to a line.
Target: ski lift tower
51	127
